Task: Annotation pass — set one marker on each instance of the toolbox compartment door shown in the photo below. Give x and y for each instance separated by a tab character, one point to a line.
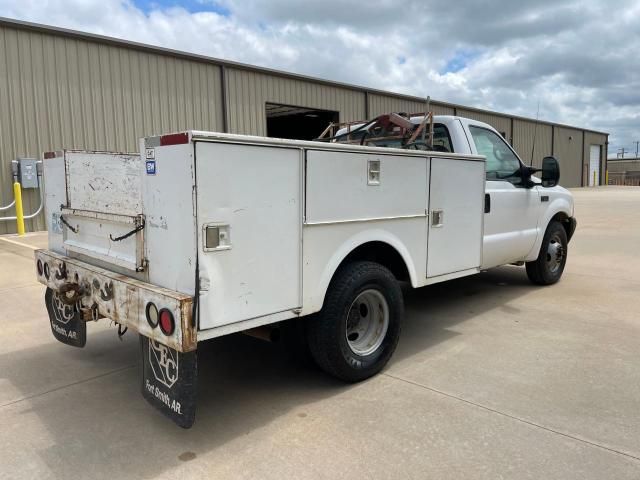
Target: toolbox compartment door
104	182
249	196
102	216
456	203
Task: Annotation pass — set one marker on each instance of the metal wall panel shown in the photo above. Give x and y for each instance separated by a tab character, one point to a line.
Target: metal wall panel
380	104
524	133
501	123
249	91
567	148
60	92
592	138
439	109
622	166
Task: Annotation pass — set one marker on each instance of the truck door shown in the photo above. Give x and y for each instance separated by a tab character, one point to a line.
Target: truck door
511	209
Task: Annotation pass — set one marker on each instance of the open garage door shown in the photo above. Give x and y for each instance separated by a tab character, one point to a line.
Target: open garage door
594	165
298	123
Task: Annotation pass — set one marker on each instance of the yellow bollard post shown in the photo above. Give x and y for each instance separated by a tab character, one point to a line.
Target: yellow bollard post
594	179
606	177
17	193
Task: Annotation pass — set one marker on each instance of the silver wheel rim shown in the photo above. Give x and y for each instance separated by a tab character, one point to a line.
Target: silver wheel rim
555	254
367	322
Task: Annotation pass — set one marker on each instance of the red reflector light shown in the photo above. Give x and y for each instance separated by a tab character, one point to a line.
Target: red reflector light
174	139
166	322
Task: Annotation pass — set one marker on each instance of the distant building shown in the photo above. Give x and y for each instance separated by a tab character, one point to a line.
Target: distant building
624	171
65	89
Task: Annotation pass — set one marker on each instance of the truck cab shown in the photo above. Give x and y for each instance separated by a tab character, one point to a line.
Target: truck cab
518	207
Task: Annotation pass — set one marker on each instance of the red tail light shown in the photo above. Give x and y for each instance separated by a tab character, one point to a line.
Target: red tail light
166	321
174	139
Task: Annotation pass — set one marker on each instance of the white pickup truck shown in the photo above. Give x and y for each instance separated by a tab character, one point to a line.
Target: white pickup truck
206	234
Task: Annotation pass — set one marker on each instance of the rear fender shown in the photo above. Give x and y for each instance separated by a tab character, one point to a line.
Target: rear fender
348	246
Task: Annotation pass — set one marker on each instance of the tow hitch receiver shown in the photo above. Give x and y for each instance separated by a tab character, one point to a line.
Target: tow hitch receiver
169	381
67	324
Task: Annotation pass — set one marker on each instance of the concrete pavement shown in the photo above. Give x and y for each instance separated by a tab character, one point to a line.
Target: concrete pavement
493	378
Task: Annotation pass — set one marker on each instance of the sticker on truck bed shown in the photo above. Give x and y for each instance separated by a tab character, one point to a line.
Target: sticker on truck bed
169	381
151	167
66	322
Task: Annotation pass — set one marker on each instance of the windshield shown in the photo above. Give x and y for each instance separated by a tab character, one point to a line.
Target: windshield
501	163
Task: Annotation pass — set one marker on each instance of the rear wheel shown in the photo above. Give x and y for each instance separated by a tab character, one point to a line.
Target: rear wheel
357	330
548	267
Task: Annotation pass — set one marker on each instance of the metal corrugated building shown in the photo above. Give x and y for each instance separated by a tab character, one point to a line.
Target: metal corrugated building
624	171
67	89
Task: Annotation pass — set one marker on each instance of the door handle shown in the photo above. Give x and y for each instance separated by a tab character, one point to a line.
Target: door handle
487	203
437	218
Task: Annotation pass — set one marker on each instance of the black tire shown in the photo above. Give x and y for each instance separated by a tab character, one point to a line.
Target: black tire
547	269
327	331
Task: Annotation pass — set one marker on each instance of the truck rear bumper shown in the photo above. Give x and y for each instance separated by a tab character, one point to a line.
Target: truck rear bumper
102	293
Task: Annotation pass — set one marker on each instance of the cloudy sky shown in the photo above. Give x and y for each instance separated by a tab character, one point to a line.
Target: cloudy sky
578	60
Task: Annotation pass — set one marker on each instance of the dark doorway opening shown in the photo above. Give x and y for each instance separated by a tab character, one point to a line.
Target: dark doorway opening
299	123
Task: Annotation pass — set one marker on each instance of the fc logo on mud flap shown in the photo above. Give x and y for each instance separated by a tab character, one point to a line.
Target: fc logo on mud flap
164	363
63	313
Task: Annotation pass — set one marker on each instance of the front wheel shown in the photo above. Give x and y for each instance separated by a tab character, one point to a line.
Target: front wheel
357	330
548	267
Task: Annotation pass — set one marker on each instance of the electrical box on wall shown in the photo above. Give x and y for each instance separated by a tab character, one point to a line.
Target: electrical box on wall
27	172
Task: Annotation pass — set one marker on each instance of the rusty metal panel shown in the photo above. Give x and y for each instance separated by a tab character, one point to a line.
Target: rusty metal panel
248	92
62	92
529	137
502	123
567	148
121	298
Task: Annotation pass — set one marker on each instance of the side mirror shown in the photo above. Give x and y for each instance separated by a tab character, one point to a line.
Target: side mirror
550	172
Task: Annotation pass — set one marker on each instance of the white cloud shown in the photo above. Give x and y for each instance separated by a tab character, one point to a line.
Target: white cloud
508	56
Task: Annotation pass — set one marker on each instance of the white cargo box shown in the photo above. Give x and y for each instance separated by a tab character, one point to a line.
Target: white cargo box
254	227
273	219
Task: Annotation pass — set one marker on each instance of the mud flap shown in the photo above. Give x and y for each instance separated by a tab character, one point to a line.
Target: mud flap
66	322
169	381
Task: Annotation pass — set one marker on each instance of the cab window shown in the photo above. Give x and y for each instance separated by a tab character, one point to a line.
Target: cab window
502	163
441	140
